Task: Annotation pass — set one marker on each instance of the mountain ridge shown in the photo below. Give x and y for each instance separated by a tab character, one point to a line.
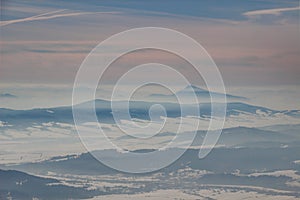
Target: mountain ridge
199	92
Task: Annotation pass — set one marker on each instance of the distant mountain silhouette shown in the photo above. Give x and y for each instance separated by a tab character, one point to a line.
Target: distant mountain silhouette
138	109
199	92
7	95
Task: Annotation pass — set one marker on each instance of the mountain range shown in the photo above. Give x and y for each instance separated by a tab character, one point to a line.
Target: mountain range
137	109
200	93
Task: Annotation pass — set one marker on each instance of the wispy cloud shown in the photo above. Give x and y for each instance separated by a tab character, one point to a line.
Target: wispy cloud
276	11
50	15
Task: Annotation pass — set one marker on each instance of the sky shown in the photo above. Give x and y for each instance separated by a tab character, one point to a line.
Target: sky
43	43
